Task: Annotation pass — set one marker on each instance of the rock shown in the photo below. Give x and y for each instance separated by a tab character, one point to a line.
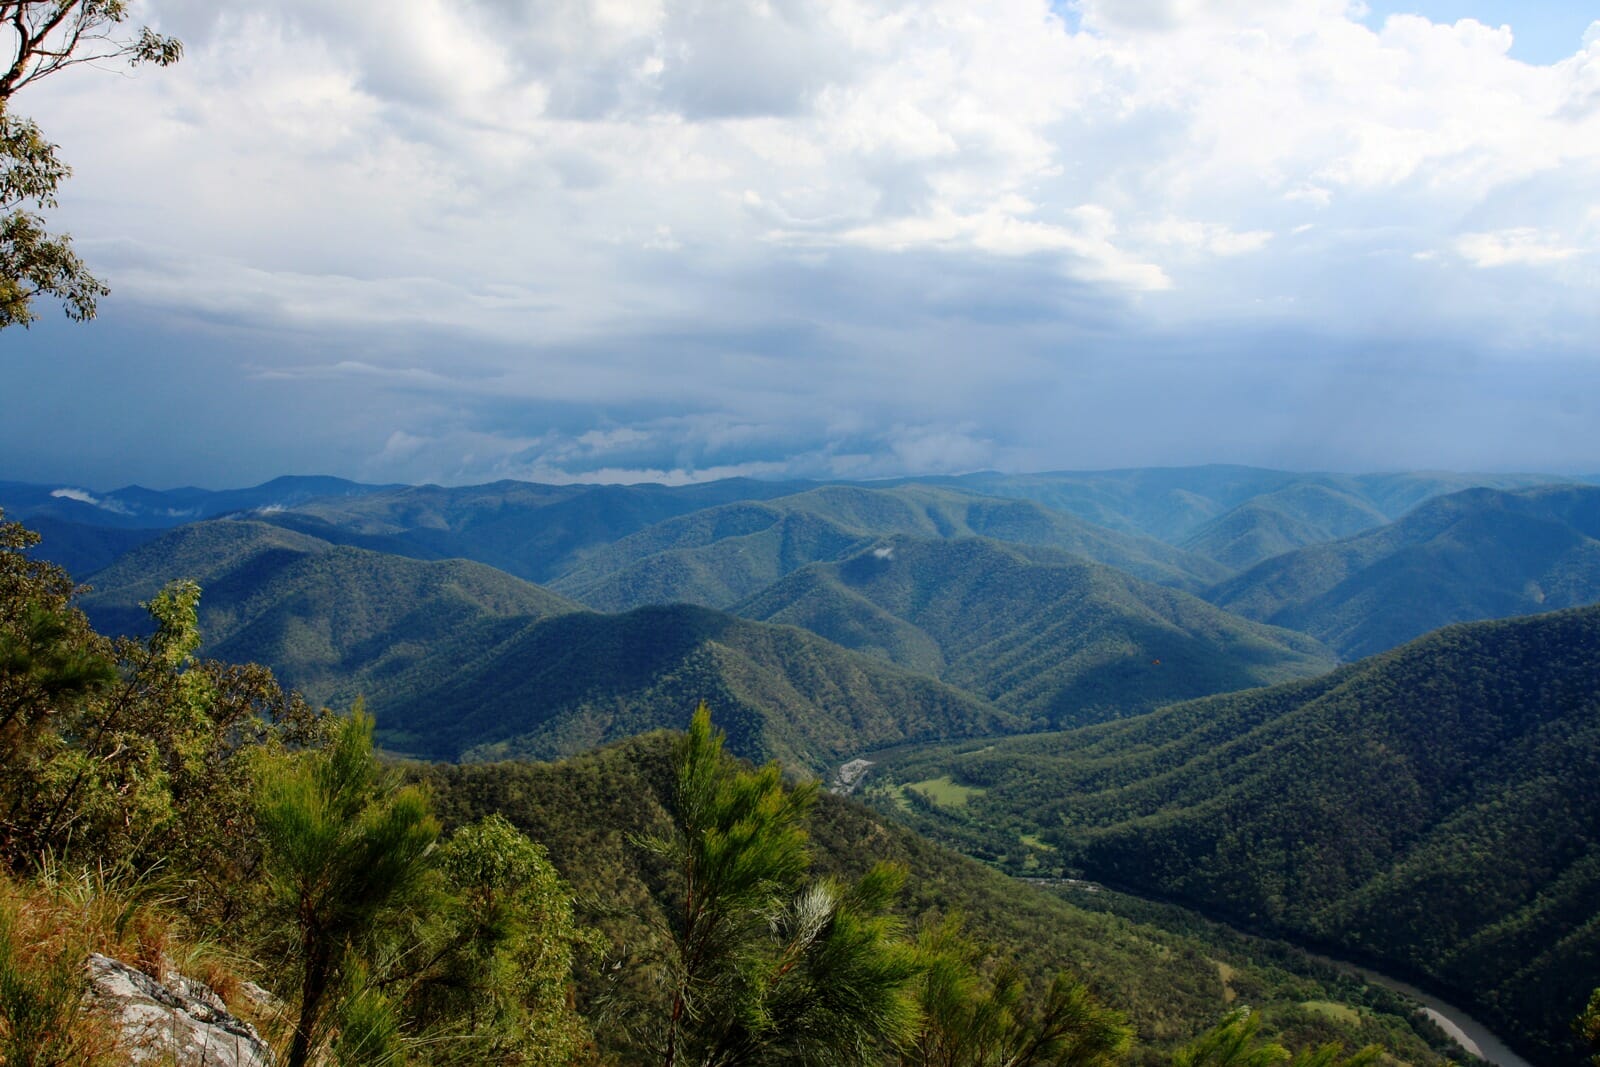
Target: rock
181	1022
849	776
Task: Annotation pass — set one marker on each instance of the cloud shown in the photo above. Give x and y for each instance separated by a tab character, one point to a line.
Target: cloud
656	238
1520	246
83	496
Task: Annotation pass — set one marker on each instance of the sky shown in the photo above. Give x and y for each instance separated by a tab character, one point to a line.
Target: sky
672	240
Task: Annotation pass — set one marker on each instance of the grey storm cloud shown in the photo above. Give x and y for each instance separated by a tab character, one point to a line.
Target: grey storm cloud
671	240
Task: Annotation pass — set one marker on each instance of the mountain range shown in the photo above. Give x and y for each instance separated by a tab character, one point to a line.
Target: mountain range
1428	809
1044	634
1416	809
1477	554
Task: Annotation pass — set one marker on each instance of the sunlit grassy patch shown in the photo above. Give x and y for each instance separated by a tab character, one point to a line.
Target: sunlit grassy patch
946	792
1337	1012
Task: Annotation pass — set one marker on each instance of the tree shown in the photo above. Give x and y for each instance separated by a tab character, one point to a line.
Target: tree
1587	1026
490	976
1236	1042
129	753
765	966
346	849
969	1020
45	37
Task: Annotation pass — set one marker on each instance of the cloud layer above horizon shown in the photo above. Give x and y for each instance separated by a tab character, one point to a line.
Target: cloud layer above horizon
616	240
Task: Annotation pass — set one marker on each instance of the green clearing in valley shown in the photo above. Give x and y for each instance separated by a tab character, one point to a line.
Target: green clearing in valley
945	792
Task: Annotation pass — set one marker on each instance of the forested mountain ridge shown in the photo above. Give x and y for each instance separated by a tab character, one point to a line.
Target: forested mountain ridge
1282	520
592	811
719	556
189	827
557	686
458	659
318	613
1230	515
1172	503
1044	634
134	506
1478	554
528	529
1426	809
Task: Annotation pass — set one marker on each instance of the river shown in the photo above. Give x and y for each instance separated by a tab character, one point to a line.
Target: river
1467	1032
1463	1029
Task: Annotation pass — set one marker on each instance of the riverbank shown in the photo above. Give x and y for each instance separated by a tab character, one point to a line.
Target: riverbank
1464	1030
1472	1036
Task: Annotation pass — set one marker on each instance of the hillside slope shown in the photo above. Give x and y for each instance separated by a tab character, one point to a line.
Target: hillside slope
316	613
1479	554
1281	521
1431	809
592	812
556	686
135	507
1046	635
530	530
719	556
458	659
1173	503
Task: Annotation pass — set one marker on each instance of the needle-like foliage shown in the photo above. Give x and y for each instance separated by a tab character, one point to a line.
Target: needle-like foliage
764	965
345	846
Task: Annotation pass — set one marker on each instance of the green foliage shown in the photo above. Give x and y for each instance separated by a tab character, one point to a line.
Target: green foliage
132	757
973	1020
1415	809
366	1024
718	556
499	950
1237	1042
403	951
1234	1042
762	966
1162	967
46	36
49	657
346	849
1052	638
130	752
1587	1026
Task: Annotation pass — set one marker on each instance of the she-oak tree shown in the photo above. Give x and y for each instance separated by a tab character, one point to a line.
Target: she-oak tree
39	38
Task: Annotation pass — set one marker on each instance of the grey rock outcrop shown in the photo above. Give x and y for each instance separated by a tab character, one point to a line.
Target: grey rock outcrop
180	1022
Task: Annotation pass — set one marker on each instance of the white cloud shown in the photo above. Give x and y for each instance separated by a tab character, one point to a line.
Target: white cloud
82	496
877	208
1521	246
345	160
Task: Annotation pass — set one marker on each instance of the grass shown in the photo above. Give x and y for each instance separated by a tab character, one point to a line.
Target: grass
49	925
946	792
1337	1012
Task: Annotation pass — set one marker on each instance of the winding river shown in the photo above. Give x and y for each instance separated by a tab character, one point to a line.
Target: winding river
1466	1031
1463	1029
